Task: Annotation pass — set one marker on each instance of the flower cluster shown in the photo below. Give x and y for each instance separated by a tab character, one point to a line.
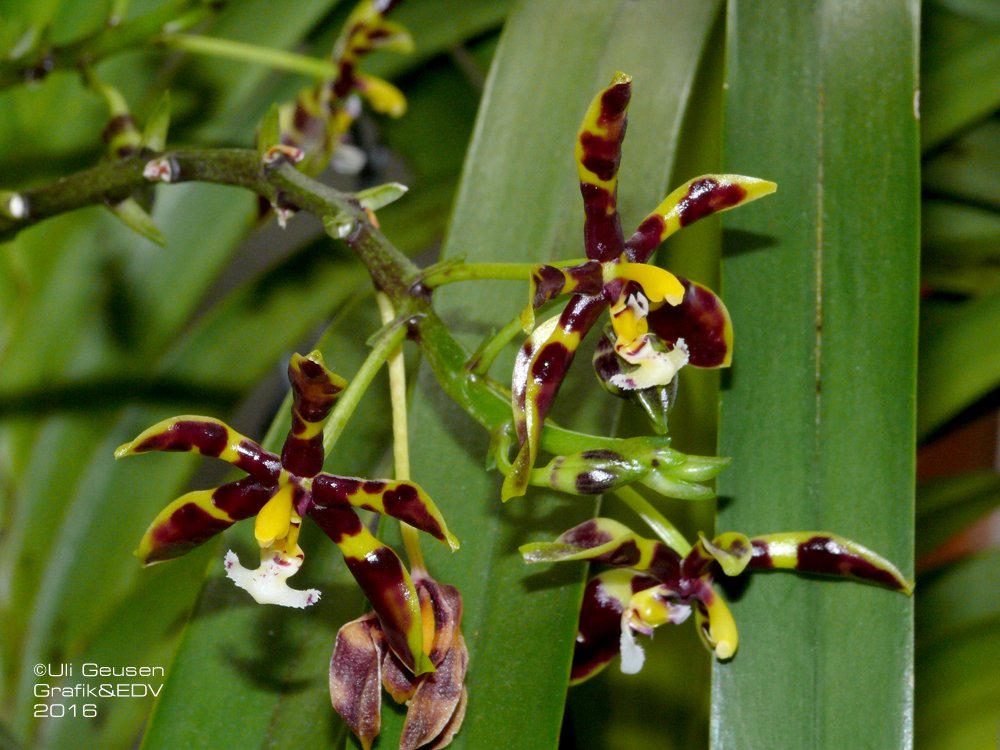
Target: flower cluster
659	322
651	584
282	490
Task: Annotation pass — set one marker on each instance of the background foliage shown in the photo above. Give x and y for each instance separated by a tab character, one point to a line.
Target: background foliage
102	333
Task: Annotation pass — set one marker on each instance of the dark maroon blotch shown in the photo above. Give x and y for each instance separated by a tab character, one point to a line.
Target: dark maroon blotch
699	319
337	521
243	498
596	481
645	239
706	197
187	527
549	282
823	555
208	438
599	628
614	100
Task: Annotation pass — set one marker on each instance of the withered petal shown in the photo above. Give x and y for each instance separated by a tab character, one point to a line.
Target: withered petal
437	699
355	677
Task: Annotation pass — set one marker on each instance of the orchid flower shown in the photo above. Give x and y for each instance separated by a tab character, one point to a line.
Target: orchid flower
651	584
321	115
660	322
362	665
280	491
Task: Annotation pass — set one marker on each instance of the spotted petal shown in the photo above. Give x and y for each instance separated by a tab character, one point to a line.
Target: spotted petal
314	391
197	516
539	369
598	154
607	541
701	320
694	200
405	501
384	579
209	437
823	553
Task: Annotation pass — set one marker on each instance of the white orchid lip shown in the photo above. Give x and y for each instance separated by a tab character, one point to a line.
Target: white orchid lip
653	367
267	583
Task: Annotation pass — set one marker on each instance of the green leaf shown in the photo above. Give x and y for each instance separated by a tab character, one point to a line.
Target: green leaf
817	411
960	248
519	200
959	363
958	627
961	83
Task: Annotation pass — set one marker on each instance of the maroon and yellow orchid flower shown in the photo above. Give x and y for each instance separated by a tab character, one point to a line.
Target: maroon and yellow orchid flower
321	116
362	665
660	321
651	584
280	491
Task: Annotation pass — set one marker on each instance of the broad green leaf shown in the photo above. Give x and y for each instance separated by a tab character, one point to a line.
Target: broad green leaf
957	601
817	410
519	201
959	363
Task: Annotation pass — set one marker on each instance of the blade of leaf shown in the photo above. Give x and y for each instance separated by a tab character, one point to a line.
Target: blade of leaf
520	624
965	335
821	281
961	84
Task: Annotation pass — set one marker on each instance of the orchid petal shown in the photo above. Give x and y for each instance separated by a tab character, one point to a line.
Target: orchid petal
828	554
539	369
598	154
314	391
693	200
701	320
405	501
607	541
383	578
198	516
209	437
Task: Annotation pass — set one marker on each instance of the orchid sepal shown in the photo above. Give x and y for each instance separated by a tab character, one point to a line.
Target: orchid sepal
823	553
